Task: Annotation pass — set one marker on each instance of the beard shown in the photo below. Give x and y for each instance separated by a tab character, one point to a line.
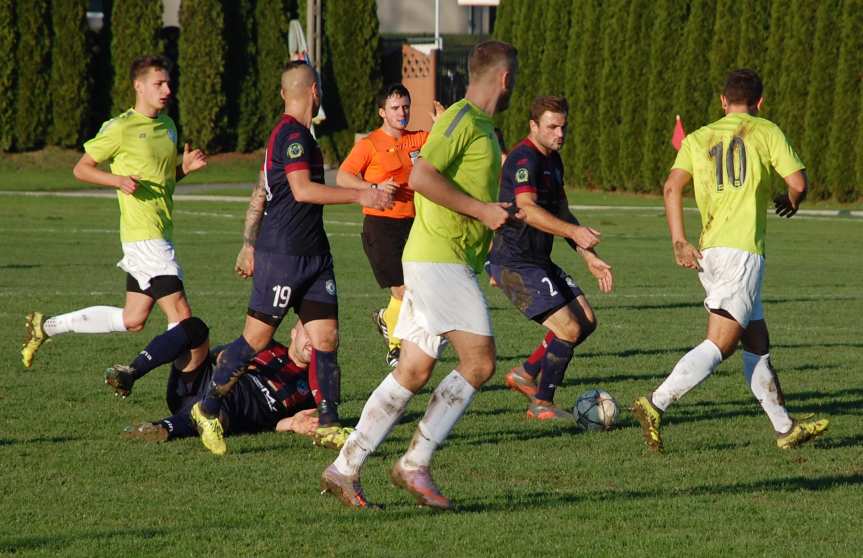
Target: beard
503	101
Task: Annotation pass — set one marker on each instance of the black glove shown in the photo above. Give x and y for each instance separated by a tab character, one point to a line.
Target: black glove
783	206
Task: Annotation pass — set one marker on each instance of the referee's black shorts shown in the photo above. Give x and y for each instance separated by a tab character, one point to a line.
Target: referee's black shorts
383	242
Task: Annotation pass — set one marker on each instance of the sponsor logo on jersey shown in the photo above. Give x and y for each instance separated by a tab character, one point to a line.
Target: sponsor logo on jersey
521	175
295	150
271	401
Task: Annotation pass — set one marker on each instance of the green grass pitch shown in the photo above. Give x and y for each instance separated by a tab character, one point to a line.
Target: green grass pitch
71	487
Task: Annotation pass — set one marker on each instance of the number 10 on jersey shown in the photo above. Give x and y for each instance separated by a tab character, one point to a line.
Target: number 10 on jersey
736	173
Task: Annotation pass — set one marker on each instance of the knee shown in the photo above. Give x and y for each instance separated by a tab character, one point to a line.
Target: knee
478	370
328	341
134	322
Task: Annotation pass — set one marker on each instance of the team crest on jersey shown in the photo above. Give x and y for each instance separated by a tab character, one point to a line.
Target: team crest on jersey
295	150
331	287
521	175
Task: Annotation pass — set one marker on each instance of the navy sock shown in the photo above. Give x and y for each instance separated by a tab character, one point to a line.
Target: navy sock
533	364
325	378
231	366
163	348
179	425
554	364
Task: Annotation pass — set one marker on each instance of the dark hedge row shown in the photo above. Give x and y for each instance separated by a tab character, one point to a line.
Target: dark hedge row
628	66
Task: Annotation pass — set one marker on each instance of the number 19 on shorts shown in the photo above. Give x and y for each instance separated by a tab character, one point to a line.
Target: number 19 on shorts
281	296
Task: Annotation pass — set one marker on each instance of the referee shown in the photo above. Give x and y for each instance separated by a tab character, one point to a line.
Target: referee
384	159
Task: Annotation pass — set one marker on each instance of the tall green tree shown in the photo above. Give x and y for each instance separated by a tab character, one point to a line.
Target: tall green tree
846	104
754	23
202	63
33	58
8	36
632	110
273	54
135	32
819	97
694	92
584	170
241	90
555	34
855	191
658	154
723	50
505	20
569	74
794	79
527	38
610	86
70	72
779	27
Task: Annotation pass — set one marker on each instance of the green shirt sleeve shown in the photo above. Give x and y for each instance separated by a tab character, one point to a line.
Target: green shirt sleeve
447	141
106	144
684	157
782	155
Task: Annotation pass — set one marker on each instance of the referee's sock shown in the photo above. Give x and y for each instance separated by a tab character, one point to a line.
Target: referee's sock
391	318
95	319
170	345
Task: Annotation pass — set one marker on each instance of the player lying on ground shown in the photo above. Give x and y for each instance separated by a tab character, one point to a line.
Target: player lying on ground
141	145
456	180
520	259
384	159
292	266
274	394
730	163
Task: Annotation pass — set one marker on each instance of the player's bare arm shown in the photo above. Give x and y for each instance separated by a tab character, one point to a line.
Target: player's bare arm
539	218
304	423
598	267
245	264
685	254
87	170
426	180
192	161
345	179
788	203
306	191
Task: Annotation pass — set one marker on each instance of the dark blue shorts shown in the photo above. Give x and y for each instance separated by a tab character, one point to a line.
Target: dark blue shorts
284	282
537	291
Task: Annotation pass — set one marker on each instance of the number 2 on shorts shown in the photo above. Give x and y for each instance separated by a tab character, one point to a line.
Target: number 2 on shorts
281	296
551	290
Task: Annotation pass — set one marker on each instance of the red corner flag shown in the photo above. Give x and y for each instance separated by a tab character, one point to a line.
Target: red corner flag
679	133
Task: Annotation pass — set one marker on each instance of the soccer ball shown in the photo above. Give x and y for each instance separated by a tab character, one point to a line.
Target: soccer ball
596	410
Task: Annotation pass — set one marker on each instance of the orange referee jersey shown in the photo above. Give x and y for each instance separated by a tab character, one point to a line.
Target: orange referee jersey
380	156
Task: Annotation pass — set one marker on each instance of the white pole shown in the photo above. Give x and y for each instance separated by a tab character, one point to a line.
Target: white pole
437	24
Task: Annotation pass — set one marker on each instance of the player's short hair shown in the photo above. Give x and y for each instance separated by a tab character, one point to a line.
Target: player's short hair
294	64
392	90
743	86
488	55
547	103
142	64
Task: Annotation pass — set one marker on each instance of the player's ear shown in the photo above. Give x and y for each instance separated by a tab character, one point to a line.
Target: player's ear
759	104
724	101
534	127
381	112
282	94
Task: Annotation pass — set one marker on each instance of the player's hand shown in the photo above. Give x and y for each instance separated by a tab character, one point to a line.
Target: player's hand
127	184
245	264
437	110
784	206
389	185
305	422
494	214
585	237
193	160
686	255
602	271
376	199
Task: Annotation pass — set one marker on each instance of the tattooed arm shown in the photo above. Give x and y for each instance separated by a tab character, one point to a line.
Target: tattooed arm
245	265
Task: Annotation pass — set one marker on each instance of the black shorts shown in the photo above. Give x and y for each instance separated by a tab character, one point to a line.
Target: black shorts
162	285
536	290
306	284
383	242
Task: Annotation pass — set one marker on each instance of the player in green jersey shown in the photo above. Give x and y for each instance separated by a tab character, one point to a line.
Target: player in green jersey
141	146
730	163
456	185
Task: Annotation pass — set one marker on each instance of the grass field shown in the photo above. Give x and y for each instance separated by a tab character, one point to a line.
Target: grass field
70	486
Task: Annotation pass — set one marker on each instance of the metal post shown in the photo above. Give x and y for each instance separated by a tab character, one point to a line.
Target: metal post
437	24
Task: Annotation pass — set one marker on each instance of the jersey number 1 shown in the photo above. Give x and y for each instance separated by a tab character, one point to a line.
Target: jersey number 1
737	176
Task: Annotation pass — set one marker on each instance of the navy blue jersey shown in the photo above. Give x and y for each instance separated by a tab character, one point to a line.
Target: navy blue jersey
288	226
527	170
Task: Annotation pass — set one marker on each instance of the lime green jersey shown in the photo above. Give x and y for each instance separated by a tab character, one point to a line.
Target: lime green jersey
137	145
731	162
463	147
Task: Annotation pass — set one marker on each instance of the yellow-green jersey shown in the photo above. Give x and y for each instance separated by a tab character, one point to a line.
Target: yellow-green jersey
137	145
463	147
731	162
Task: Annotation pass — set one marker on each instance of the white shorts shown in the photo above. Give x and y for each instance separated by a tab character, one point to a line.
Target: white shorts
732	282
440	297
146	259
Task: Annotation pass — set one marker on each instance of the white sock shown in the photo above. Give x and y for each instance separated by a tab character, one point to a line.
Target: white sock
764	384
95	319
448	403
691	370
380	414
